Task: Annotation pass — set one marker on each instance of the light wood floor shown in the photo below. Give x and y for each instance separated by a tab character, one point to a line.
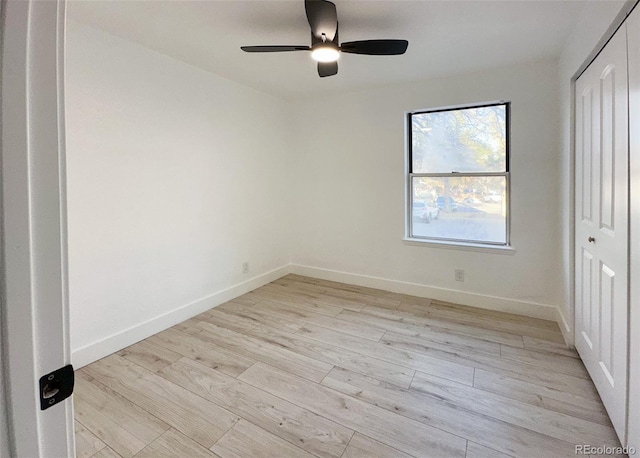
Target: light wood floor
304	367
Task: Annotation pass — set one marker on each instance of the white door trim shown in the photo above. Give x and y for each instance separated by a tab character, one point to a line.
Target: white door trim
34	224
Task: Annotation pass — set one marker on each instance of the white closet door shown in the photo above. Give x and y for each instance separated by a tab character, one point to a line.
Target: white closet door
602	225
633	45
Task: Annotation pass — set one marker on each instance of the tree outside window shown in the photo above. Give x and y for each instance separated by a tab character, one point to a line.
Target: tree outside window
459	174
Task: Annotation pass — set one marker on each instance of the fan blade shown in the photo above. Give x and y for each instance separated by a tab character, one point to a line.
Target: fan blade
274	48
322	17
315	40
327	69
375	47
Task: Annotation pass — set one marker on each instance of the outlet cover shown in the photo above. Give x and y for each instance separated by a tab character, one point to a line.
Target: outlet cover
459	275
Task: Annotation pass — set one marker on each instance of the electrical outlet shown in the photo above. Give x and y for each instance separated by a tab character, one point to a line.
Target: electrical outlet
459	274
245	267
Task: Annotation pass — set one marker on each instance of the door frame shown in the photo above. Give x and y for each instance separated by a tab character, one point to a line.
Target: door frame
34	240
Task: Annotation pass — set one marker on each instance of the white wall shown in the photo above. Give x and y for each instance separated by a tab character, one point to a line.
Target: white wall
161	216
351	189
589	29
175	177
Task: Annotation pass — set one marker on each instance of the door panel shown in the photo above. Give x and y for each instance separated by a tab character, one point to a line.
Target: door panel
586	298
607	287
601	197
607	182
585	137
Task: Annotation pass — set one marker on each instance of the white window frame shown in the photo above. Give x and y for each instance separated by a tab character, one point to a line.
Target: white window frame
474	245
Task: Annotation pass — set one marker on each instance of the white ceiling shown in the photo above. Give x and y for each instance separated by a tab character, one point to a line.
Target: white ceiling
445	37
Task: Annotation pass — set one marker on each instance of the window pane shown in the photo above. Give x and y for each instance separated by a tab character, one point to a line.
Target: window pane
464	140
469	209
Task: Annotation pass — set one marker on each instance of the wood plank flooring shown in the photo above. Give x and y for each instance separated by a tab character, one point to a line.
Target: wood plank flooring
306	368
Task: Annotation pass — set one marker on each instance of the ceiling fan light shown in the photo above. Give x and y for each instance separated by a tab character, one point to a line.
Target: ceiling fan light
325	53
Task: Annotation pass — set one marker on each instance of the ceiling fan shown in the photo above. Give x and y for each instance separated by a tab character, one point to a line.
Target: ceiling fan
325	47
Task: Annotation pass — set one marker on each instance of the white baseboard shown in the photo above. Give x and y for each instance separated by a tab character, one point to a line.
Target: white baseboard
566	328
116	342
502	304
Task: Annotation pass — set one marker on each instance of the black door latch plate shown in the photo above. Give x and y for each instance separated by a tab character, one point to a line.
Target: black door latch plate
56	386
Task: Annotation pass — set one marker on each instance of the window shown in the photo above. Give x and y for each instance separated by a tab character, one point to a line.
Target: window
458	182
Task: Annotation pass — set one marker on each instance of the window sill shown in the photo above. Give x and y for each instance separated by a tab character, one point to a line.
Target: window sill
497	249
